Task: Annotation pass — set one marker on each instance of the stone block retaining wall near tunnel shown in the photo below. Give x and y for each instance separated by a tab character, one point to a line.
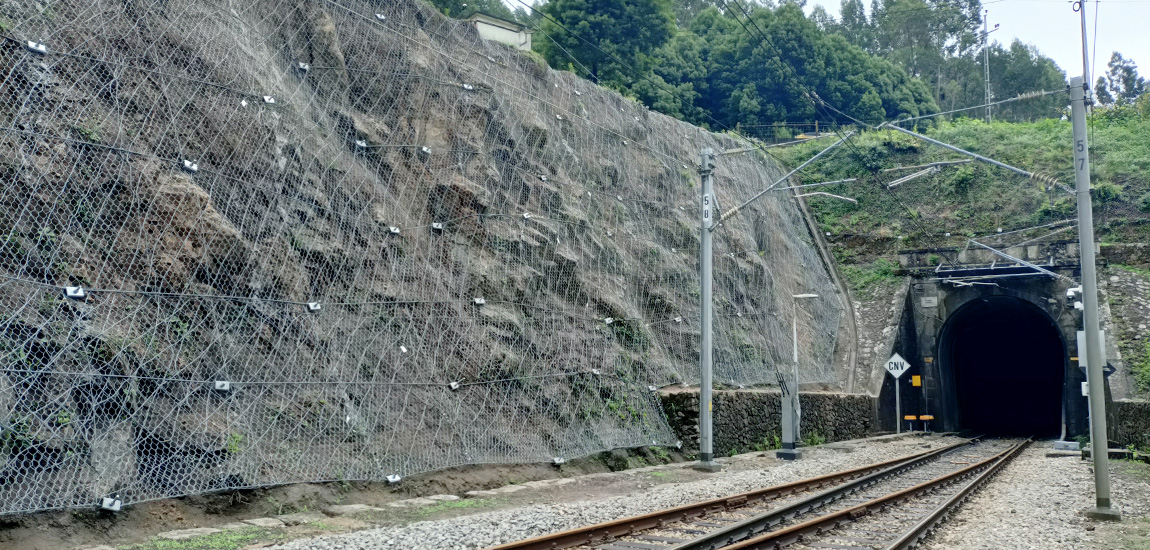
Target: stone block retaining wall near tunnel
746	419
1129	423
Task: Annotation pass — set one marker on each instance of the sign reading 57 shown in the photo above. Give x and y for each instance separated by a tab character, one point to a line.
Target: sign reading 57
897	365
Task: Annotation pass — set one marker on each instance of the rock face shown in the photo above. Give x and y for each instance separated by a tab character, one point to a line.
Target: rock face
750	420
350	240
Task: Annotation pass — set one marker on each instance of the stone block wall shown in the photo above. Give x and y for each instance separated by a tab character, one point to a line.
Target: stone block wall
1129	423
744	419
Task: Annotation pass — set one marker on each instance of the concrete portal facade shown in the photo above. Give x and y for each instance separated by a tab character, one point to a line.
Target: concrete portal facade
993	340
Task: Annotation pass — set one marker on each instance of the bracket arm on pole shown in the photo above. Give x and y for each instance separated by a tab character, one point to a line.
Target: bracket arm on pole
738	208
1019	260
1037	177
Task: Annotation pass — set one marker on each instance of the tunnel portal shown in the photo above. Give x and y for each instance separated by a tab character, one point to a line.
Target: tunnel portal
1004	359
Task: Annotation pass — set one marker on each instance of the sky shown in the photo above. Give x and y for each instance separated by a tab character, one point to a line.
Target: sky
1056	30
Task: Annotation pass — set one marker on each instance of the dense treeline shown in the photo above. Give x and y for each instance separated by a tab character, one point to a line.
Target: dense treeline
727	63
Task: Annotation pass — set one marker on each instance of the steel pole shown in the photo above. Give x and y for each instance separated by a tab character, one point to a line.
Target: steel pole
1097	401
897	408
1085	50
707	215
985	65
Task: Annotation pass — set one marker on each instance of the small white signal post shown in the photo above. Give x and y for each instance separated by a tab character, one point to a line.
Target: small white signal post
896	365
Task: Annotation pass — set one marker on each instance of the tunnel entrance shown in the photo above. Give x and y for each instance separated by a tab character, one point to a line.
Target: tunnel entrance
1004	359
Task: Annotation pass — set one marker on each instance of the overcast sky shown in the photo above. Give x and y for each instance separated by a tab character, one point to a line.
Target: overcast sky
1055	29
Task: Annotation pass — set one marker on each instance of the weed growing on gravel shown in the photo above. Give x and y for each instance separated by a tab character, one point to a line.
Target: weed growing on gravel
457	505
814	438
226	540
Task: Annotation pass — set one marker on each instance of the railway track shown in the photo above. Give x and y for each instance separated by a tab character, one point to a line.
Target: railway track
888	505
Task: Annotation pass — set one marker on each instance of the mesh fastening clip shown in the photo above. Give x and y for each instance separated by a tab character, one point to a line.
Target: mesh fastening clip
595	372
112	503
314	306
36	47
608	320
381	17
360	144
542	177
402	349
303	67
468	87
269	99
393	230
653	388
453	386
425	150
75	292
577	92
191	166
558	461
527	215
436	226
558	117
678	444
393	478
480	301
222	386
678	319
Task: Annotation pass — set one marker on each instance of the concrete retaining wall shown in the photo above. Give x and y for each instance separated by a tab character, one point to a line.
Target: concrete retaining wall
744	420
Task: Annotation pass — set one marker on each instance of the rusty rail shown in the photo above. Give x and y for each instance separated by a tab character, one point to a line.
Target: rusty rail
795	533
606	531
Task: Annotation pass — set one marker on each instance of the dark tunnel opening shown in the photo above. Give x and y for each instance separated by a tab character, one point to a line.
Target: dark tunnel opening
1006	361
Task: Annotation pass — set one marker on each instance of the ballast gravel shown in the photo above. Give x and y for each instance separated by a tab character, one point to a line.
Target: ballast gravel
496	527
1036	502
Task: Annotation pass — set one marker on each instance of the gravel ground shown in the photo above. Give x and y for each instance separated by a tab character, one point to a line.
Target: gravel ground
1037	502
490	528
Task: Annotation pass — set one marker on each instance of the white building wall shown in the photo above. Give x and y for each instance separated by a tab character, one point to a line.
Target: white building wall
520	39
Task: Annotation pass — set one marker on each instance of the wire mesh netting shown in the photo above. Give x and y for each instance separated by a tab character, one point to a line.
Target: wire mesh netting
246	244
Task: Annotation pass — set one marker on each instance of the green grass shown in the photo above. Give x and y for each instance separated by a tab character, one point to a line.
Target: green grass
460	504
814	438
977	198
225	540
864	279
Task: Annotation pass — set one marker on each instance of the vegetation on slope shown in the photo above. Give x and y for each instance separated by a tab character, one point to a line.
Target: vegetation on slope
974	199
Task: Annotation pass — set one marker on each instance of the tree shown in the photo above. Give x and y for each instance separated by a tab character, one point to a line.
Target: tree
1022	69
622	36
1122	82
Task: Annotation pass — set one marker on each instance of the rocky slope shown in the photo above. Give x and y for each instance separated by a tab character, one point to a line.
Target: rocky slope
404	248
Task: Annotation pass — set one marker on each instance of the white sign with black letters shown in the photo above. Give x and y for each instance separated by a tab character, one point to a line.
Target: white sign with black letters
897	365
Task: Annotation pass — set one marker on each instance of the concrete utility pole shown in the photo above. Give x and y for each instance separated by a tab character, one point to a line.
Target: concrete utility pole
792	413
986	57
707	221
1095	381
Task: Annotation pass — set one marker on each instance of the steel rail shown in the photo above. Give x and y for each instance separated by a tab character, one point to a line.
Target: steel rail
607	531
796	533
742	530
923	528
